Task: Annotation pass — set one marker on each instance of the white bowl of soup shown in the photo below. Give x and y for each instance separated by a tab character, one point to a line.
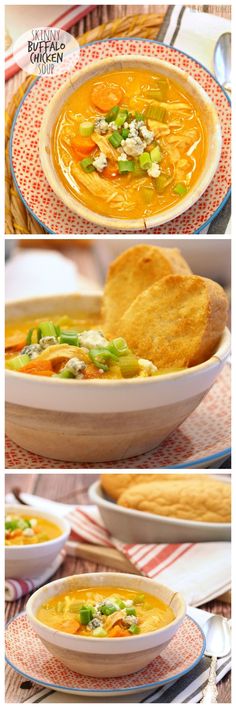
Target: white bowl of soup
102	417
105	624
33	539
130	142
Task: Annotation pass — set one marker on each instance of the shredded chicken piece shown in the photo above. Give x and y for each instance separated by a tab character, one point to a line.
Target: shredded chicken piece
96	184
112	619
61	351
158	128
105	146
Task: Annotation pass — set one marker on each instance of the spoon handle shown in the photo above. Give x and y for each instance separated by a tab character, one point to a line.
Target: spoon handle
210	693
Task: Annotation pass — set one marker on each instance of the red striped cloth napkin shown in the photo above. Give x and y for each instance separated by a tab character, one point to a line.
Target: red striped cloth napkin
65	20
201	571
18	587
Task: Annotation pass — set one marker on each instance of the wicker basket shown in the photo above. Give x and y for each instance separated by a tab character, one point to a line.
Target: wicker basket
17	219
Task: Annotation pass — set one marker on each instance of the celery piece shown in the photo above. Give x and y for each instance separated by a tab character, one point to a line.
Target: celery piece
180	189
17	362
156	112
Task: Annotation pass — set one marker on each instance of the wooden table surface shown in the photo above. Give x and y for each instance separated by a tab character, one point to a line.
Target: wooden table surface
72	488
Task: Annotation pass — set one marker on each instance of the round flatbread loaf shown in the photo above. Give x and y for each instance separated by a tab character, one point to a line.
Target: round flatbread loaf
134	271
196	499
177	322
115	484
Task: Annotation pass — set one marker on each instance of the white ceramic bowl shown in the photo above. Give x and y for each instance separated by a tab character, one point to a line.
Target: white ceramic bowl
95	69
132	526
105	657
29	561
96	420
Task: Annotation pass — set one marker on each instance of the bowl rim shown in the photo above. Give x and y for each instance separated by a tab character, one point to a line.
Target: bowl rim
141	223
219	356
45	544
104	641
167	520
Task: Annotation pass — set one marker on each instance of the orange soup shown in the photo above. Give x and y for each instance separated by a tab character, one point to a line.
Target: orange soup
129	144
23	530
71	348
105	612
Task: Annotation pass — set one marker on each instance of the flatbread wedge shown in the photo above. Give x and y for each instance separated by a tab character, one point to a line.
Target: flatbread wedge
177	322
134	271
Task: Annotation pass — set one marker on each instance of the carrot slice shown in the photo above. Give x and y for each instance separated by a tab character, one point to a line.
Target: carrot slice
118	632
111	170
39	368
82	145
105	96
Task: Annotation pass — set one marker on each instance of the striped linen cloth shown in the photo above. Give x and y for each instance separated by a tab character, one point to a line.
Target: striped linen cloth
18	587
179	565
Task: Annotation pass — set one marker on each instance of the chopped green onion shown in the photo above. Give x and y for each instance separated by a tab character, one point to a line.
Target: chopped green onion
121	604
108	610
99	632
11	525
180	189
156	113
64	374
69	338
121	117
131	611
125	133
85	615
86	128
118	346
126	165
99	355
87	165
29	335
129	366
138	116
156	154
115	139
134	629
17	362
145	161
112	114
46	329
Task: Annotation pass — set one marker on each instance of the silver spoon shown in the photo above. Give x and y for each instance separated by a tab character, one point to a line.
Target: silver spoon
222	60
218	643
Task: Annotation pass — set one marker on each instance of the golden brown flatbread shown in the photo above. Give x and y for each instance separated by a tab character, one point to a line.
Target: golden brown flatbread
177	322
115	484
132	272
197	498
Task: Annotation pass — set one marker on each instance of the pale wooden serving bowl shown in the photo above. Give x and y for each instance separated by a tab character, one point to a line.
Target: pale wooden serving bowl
99	420
186	82
105	657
